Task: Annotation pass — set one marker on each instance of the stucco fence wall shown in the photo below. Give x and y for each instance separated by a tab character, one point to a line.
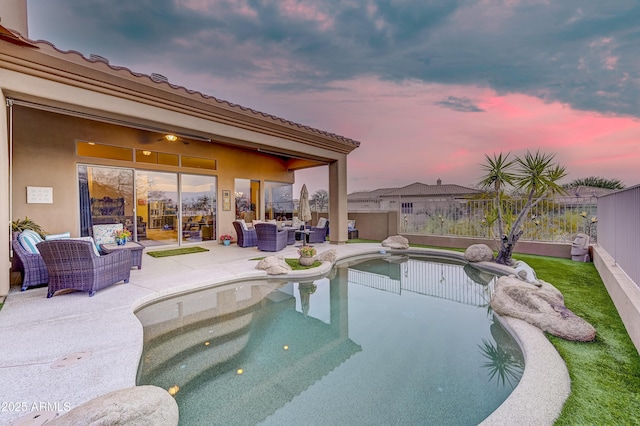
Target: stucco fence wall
624	292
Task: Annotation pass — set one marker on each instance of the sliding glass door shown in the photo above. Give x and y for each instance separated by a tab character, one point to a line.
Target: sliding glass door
198	207
157	206
106	196
164	208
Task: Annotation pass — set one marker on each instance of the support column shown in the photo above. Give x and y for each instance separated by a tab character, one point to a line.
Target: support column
338	201
5	214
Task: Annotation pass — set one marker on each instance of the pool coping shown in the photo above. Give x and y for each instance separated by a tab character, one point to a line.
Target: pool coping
538	398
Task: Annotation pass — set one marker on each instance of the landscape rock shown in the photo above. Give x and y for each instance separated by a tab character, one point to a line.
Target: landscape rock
136	406
327	256
526	273
540	306
274	265
396	242
478	253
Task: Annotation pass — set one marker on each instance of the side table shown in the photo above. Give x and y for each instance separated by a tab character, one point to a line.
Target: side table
135	248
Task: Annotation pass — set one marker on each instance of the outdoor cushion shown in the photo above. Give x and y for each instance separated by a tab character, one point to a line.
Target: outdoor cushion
322	222
28	239
96	249
105	234
57	236
295	222
243	224
351	224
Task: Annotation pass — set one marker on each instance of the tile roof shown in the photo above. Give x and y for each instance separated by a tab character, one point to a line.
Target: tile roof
158	81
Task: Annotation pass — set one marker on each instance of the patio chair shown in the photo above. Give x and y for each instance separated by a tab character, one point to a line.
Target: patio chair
74	264
246	236
30	265
319	232
270	238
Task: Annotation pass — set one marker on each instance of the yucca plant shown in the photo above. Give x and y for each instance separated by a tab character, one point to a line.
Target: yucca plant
20	225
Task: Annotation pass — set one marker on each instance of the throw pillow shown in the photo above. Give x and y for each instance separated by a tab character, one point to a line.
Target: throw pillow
29	239
322	222
57	236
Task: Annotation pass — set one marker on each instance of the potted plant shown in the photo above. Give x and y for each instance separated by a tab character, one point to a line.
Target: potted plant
226	239
122	236
306	255
20	225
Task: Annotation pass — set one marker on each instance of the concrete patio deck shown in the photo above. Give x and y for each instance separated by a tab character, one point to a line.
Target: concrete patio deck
61	352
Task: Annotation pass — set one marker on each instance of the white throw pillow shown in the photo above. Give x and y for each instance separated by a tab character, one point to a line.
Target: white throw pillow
322	222
243	224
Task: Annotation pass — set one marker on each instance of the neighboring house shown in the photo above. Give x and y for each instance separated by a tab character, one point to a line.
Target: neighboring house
408	199
88	142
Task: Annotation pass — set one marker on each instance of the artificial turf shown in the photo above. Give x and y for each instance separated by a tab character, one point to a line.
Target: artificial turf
605	373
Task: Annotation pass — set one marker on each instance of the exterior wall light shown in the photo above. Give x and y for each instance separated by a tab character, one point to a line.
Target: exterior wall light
171	138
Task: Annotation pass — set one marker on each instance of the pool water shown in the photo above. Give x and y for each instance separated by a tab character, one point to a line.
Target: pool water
386	340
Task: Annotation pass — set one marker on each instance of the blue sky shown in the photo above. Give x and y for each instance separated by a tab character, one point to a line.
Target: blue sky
428	87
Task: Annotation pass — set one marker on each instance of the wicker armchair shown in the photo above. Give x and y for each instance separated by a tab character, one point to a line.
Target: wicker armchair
318	234
30	265
246	237
270	238
74	264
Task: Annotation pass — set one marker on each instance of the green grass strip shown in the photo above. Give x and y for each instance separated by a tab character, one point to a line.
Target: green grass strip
176	252
296	266
605	374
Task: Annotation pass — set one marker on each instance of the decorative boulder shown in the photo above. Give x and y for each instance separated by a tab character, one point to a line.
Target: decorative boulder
396	242
540	306
478	253
327	256
526	273
274	265
139	405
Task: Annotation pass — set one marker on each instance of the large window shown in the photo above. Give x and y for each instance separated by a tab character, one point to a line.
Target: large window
247	195
278	199
165	208
198	196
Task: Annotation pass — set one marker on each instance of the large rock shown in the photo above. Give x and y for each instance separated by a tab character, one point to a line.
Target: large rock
540	306
526	273
136	406
274	265
396	242
478	253
327	256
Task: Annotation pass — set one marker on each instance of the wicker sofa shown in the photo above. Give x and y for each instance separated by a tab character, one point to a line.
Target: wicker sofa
74	264
270	238
247	237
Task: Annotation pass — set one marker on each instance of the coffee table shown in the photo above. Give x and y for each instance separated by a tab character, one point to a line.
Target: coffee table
135	248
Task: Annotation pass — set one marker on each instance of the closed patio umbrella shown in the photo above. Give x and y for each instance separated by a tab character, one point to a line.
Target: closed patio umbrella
304	210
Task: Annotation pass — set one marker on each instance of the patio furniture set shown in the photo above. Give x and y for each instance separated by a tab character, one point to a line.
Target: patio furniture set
84	263
271	237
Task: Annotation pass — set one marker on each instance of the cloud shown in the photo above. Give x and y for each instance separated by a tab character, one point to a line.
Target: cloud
459	104
583	55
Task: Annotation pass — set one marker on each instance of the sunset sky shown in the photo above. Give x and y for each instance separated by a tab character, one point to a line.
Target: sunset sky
427	87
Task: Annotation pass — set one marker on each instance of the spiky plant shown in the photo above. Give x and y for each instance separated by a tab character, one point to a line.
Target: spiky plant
20	225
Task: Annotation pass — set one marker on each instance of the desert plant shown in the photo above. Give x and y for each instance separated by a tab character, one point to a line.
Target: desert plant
534	174
20	225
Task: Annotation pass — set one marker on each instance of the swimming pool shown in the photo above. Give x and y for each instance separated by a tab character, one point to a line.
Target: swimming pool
381	340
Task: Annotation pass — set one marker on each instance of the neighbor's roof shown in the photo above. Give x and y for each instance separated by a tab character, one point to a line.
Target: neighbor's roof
415	190
423	190
369	195
42	59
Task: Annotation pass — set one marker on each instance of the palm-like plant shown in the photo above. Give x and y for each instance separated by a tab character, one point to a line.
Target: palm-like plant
534	174
596	182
